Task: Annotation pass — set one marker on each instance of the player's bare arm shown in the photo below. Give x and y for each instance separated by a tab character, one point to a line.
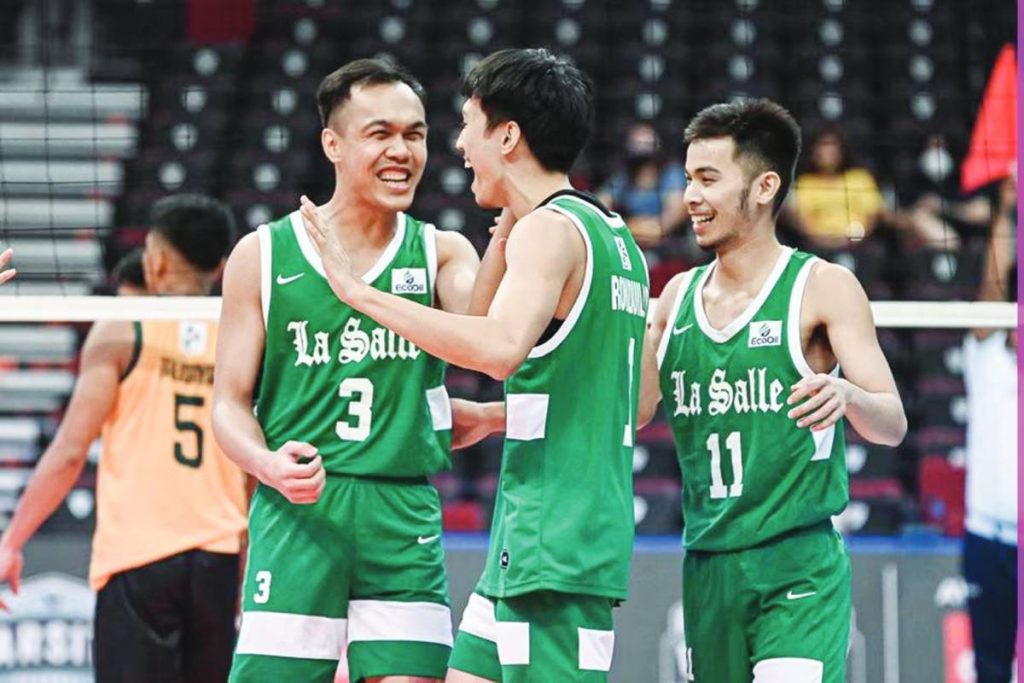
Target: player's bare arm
457	266
5	272
106	355
295	469
867	395
999	251
650	389
543	253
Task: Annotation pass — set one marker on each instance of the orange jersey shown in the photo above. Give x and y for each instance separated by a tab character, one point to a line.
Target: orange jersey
164	486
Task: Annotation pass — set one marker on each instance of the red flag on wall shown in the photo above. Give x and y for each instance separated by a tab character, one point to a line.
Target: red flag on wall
993	150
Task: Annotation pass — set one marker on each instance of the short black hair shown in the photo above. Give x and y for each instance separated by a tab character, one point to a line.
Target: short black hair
337	86
765	134
546	94
200	228
128	270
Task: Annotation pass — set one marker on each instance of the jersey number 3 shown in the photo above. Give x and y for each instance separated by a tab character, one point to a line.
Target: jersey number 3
360	409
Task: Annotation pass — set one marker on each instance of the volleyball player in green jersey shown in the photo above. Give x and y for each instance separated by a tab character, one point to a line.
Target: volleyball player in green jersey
350	417
564	331
749	349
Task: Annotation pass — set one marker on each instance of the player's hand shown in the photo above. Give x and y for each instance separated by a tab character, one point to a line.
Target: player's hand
337	264
11	561
824	397
503	224
300	482
473	422
5	258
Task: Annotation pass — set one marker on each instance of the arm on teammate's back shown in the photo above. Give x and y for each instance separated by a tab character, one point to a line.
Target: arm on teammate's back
473	422
650	388
240	340
105	356
5	258
867	395
457	267
539	263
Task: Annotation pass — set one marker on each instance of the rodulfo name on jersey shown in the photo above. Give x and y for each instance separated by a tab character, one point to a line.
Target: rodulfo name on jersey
353	344
756	392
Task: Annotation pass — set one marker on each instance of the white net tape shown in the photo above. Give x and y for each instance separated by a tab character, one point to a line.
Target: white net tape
890	314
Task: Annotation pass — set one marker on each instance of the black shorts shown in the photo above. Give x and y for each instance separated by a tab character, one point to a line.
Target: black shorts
171	621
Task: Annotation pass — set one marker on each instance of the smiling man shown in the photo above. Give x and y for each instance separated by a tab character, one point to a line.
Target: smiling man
564	331
350	417
749	349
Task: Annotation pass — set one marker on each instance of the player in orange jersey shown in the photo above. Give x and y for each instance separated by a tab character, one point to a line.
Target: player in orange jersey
171	507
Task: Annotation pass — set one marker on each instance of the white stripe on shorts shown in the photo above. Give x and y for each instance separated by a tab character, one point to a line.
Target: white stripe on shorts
478	618
425	622
595	649
279	634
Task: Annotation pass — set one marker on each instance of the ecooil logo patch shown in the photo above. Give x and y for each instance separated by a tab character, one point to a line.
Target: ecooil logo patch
765	333
409	281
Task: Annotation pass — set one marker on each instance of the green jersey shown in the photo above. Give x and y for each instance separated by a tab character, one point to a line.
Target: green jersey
371	402
749	473
563	518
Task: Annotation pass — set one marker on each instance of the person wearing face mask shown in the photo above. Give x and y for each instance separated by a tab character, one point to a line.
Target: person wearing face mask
648	191
934	212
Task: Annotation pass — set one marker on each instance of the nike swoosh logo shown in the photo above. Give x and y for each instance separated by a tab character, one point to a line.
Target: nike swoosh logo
282	280
427	539
680	330
796	596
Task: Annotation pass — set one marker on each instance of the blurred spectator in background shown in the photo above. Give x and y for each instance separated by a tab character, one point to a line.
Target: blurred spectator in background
128	277
5	272
834	200
990	544
932	207
648	190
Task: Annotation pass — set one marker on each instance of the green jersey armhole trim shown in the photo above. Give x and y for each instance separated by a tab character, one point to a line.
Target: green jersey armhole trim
670	323
796	300
740	321
313	258
263	238
581	298
430	249
136	350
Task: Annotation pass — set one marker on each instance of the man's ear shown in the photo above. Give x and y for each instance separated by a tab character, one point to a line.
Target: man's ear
330	141
766	187
511	134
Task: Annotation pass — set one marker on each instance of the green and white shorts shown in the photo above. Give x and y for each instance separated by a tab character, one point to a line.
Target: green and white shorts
362	567
775	613
539	636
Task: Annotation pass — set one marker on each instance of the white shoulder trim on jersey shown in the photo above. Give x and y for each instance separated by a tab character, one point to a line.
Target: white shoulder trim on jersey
263	237
430	247
741	321
298	636
309	251
423	622
478	618
673	316
581	299
796	300
305	244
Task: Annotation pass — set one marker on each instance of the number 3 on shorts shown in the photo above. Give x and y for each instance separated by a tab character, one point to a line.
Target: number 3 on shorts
263	578
360	408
